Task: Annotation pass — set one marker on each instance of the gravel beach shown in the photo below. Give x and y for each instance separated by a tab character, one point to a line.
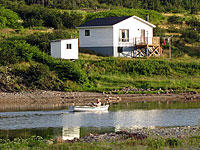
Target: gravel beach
140	134
38	100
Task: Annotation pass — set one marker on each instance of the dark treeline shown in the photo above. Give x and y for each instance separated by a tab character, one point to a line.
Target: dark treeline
159	5
39	16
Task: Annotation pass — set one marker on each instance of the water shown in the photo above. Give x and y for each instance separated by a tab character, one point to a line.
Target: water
68	125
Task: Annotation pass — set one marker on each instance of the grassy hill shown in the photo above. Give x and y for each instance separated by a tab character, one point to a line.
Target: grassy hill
25	63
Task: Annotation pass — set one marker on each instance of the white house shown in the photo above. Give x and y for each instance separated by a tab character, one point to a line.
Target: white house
115	36
65	48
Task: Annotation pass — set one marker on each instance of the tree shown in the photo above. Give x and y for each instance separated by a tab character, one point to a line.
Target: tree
9	18
15	51
175	20
190	36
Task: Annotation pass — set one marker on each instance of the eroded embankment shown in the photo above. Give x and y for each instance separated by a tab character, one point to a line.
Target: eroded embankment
41	100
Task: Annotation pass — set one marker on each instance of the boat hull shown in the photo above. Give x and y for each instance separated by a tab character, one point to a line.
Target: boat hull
88	108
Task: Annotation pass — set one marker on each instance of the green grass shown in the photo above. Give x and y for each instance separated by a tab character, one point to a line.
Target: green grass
108	74
155	105
130	144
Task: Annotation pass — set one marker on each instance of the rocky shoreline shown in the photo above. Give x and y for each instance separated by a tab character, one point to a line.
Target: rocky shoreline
41	100
139	134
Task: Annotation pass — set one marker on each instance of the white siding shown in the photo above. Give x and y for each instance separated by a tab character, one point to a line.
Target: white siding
56	49
59	49
69	53
99	37
109	36
135	26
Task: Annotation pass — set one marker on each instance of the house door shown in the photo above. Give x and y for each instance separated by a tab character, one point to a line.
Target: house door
142	38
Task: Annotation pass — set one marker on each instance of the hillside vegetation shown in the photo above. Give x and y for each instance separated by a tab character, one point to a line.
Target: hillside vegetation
26	64
41	71
159	5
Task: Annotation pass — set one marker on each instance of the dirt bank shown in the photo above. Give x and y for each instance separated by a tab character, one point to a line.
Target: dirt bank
53	99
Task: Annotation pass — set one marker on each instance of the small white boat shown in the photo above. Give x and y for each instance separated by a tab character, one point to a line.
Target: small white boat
88	108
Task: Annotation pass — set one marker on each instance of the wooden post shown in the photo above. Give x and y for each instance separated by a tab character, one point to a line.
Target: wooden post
135	41
170	49
147	51
160	50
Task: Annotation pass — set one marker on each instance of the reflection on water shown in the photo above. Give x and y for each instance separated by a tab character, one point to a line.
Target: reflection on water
69	125
65	133
70	133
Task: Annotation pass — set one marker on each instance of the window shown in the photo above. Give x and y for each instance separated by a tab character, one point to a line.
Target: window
120	49
142	33
124	35
87	32
69	46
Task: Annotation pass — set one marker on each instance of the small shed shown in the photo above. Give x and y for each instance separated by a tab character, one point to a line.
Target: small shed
64	48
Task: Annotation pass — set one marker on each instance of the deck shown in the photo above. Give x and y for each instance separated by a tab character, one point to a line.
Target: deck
148	46
140	47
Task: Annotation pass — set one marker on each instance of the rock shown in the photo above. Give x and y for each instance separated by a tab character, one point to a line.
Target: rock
121	132
59	140
138	136
50	142
182	136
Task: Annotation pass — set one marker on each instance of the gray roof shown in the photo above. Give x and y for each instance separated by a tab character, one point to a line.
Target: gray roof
104	21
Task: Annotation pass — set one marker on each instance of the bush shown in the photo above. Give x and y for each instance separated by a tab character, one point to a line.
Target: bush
15	51
190	36
158	31
173	29
8	18
172	142
42	40
72	19
155	16
175	20
156	143
194	22
37	72
18	51
37	15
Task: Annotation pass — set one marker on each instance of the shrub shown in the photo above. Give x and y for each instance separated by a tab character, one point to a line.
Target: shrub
194	22
18	51
156	143
15	51
172	142
175	20
8	18
190	36
158	31
37	72
37	15
155	17
173	29
42	40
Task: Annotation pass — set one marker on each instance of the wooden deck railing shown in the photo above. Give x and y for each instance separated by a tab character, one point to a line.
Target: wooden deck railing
147	40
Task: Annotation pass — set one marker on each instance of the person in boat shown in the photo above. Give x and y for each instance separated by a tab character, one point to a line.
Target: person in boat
98	103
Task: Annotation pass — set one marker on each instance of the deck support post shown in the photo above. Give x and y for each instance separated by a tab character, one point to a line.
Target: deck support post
147	48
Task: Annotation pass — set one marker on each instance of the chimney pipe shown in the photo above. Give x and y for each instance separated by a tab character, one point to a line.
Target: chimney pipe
147	17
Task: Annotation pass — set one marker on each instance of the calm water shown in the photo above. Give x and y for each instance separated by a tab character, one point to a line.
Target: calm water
66	124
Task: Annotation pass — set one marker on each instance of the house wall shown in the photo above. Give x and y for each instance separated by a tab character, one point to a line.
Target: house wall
69	53
59	49
56	49
99	41
99	37
135	26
